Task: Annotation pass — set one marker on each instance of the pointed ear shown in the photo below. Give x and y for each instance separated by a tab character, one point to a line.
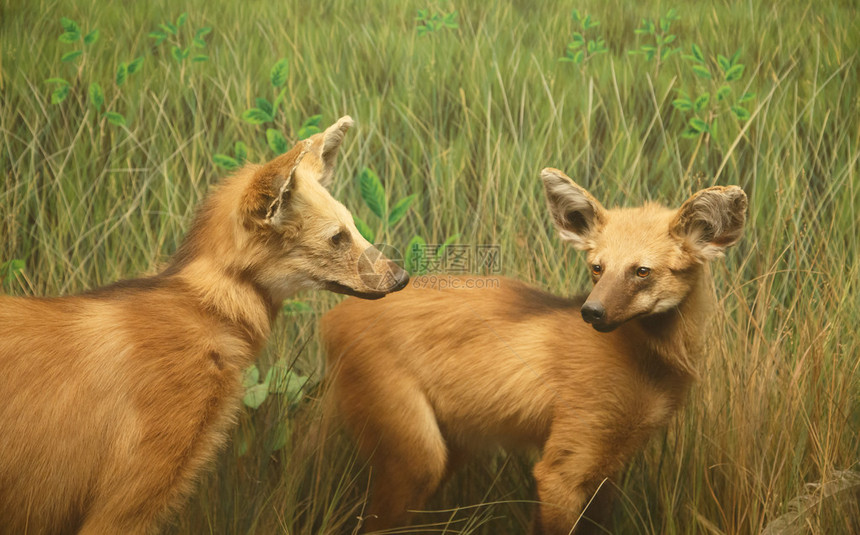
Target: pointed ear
711	220
267	195
576	214
332	138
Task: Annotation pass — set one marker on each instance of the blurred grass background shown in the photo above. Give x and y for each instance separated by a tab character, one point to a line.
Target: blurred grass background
465	118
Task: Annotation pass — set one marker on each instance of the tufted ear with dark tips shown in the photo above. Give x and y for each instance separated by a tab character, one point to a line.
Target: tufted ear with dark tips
576	214
711	220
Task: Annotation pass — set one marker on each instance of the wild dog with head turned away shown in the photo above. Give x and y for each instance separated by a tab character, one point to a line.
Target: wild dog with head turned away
113	401
426	376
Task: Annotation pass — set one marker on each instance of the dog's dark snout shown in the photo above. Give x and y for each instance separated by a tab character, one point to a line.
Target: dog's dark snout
593	312
401	279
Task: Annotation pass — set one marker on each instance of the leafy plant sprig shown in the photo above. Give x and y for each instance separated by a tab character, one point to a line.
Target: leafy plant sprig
585	44
428	23
181	49
703	111
661	48
72	33
10	270
231	163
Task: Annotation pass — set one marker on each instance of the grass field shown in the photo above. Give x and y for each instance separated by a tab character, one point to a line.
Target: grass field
464	118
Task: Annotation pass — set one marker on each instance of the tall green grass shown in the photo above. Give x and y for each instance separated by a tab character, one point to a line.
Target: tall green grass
466	118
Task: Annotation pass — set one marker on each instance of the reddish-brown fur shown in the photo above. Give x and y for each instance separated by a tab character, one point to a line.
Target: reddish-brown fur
427	376
113	401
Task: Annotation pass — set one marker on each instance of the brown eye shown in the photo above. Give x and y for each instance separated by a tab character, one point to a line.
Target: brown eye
339	238
596	269
643	272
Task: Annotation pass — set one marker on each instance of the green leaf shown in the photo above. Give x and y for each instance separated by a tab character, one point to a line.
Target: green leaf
723	62
415	260
250	376
723	92
60	81
278	74
169	27
276	141
746	97
735	57
735	72
293	307
441	250
115	118
158	35
264	105
669	39
91	37
256	395
222	160
698	125
60	94
199	58
689	133
579	56
97	96
697	53
683	104
134	66
69	25
71	56
702	71
202	32
176	52
372	191
576	16
307	131
400	209
69	37
741	113
702	102
313	120
578	38
121	73
364	229
198	42
241	151
256	116
283	380
10	269
181	19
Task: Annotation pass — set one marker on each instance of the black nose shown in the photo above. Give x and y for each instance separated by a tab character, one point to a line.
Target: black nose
593	312
401	280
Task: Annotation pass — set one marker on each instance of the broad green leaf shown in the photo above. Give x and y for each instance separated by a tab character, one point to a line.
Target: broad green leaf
735	72
372	191
669	39
697	53
264	105
400	209
59	94
698	125
256	395
97	96
199	58
60	81
176	52
702	71
735	57
181	19
579	56
683	104
11	268
723	62
578	38
689	133
256	116
241	151
91	37
71	56
250	376
202	31
741	113
576	15
415	259
121	73
278	74
702	102
276	141
168	27
574	45
198	42
159	37
364	229
135	65
307	131
723	92
294	307
69	25
227	162
746	97
69	37
115	118
313	120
